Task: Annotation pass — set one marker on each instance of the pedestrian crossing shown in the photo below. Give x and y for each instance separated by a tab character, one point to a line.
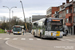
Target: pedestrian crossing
31	39
6	38
15	38
20	39
23	38
67	39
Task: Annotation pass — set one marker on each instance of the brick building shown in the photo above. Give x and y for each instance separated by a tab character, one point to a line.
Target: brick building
51	11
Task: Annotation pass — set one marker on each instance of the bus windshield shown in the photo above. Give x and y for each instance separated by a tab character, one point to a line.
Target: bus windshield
17	29
57	28
54	26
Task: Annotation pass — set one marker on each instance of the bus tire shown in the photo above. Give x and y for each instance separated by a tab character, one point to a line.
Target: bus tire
55	38
14	33
41	36
20	34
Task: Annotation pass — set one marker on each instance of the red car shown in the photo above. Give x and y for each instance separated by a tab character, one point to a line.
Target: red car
9	31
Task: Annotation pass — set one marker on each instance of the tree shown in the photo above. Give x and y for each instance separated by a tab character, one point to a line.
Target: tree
4	26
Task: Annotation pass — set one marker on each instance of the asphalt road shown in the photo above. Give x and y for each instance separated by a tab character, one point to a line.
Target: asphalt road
28	42
3	46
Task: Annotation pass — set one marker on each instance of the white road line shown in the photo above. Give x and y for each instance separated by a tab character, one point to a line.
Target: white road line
15	38
62	39
69	40
6	38
38	39
0	38
23	39
13	46
28	33
74	39
30	38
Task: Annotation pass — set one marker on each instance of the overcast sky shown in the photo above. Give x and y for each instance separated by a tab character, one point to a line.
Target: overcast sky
31	7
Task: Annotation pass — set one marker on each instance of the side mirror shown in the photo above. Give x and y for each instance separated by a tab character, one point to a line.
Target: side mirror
35	24
45	22
63	29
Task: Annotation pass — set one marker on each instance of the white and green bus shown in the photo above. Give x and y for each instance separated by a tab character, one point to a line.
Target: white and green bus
17	29
48	28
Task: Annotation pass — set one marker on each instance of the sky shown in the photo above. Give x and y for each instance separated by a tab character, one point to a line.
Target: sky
31	7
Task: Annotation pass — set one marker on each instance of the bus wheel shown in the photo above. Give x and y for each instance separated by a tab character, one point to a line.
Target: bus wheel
41	36
14	33
55	38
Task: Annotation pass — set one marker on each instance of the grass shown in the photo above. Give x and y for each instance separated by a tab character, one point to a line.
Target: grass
2	31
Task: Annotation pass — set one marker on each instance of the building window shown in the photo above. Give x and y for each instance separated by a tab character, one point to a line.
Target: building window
70	19
70	10
73	0
60	8
60	15
49	11
67	20
74	9
74	18
67	11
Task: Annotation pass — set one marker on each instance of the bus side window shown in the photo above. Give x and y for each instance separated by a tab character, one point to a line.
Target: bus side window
35	25
45	23
63	29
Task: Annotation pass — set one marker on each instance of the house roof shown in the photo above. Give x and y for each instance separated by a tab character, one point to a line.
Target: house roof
67	4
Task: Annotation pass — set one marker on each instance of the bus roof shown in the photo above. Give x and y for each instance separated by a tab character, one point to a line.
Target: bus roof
56	18
16	26
43	19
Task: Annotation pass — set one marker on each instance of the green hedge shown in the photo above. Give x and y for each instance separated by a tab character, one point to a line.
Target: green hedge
2	31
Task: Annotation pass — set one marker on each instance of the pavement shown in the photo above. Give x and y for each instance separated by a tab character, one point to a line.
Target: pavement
29	42
73	36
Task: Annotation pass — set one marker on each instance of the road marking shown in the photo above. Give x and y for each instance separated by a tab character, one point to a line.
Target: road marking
38	39
15	38
6	38
13	46
23	39
27	33
69	39
62	39
30	38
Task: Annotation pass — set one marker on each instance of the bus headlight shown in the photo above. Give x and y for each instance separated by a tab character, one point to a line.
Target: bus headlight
61	34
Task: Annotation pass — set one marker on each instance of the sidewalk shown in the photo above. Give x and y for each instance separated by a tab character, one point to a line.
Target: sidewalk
73	36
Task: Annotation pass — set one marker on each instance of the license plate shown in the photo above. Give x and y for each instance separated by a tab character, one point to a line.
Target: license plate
18	32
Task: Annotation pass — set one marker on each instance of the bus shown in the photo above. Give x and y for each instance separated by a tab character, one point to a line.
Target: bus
48	28
17	29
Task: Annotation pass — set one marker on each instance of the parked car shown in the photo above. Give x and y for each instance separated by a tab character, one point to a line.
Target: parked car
9	31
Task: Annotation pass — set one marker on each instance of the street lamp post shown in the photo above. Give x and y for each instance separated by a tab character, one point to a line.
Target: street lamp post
9	14
23	14
12	14
30	24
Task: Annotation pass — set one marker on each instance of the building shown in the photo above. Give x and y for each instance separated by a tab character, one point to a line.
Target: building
51	11
69	16
62	13
27	20
66	11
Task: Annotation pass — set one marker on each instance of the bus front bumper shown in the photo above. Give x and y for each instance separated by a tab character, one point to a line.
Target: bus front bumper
17	32
52	36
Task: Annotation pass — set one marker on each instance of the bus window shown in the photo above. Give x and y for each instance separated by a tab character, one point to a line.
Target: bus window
17	29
